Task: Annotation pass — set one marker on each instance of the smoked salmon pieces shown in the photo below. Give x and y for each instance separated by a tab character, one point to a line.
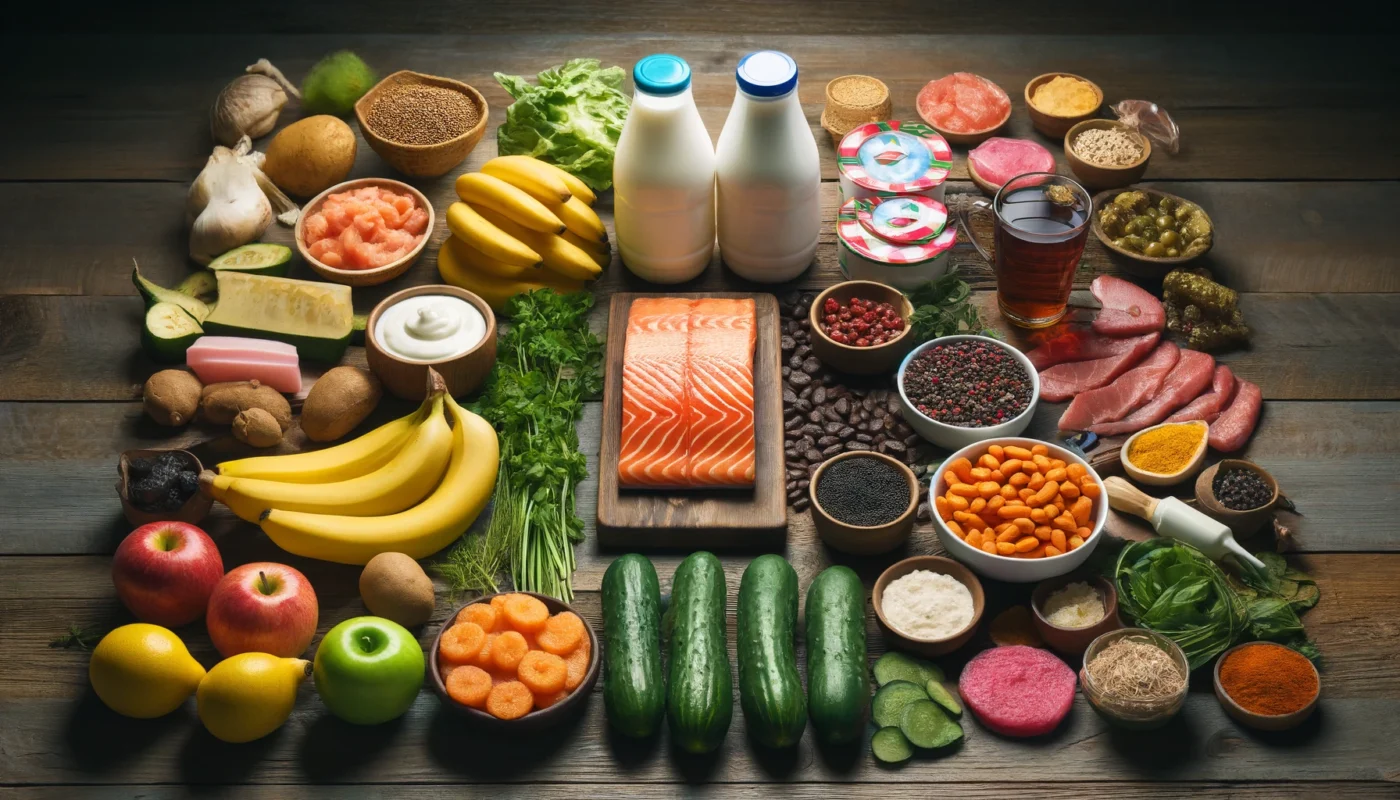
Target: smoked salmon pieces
687	394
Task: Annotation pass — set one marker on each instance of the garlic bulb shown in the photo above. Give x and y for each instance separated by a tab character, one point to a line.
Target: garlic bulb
231	202
249	105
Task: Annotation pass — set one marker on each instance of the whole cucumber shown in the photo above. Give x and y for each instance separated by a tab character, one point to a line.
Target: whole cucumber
770	690
838	688
633	690
700	697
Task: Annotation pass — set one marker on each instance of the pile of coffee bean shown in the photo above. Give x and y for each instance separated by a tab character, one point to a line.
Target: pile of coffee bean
1241	489
969	384
823	417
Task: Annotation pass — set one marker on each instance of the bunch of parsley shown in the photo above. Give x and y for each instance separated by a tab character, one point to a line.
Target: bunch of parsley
941	308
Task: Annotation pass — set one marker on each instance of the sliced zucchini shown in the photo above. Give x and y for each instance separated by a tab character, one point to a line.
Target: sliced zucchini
201	286
313	316
943	697
889	746
891	699
168	333
927	726
358	323
896	666
159	294
257	259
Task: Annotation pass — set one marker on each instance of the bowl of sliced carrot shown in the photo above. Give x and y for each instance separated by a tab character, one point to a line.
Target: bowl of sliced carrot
516	660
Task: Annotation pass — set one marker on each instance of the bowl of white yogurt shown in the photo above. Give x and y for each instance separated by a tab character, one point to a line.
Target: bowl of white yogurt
449	329
928	605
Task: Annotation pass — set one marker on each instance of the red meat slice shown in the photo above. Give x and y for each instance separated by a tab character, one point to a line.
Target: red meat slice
1128	309
1118	399
1207	406
1063	381
1236	423
1080	345
1188	378
999	159
1018	690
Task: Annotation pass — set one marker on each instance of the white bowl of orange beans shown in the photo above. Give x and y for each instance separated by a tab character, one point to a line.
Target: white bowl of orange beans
1018	510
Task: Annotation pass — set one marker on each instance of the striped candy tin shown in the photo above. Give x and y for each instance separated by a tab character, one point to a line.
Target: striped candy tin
888	158
901	241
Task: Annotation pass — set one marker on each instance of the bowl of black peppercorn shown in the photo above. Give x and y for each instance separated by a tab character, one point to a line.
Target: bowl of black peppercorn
959	390
161	486
1239	493
863	502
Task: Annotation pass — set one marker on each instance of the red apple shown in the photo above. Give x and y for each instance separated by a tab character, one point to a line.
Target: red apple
165	571
262	608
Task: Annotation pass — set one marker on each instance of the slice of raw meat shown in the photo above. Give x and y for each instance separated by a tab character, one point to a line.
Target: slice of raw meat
1188	378
1128	309
1079	345
1236	423
999	159
1018	690
1118	399
1207	407
1063	381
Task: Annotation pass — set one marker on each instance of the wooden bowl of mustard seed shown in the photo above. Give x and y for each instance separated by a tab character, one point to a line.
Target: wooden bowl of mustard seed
423	125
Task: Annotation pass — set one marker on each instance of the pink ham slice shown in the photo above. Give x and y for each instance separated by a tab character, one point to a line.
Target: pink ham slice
1080	345
216	359
241	347
1207	406
1128	309
1188	378
1118	399
999	159
1236	423
1063	381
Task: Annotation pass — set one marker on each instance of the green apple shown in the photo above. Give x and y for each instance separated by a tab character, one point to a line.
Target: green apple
369	670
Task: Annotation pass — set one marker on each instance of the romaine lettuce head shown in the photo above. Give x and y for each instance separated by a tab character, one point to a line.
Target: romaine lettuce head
571	119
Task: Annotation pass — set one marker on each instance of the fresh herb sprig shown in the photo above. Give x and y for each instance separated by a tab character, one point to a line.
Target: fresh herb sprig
942	308
76	637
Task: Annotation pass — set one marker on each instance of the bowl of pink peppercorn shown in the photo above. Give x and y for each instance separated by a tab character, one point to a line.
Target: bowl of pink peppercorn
861	327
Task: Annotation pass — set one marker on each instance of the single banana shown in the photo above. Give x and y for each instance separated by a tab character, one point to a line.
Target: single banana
559	256
480	189
600	251
454	267
344	461
530	175
408	477
469	226
420	531
581	220
479	261
576	186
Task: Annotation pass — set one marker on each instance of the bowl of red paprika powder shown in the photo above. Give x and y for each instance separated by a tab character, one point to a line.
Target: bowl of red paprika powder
1267	686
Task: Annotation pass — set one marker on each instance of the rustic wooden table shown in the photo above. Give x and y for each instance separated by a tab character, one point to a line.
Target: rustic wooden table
103	133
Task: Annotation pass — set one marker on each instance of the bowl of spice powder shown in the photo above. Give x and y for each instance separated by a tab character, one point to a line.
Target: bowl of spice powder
423	125
1166	454
1267	686
1106	154
1058	100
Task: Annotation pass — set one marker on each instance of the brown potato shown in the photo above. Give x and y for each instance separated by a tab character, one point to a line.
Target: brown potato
171	397
221	402
339	401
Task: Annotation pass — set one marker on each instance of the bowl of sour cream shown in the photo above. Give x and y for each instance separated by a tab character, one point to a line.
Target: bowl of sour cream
449	329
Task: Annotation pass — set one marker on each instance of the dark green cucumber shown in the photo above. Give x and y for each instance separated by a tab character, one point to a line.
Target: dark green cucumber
770	690
700	694
838	690
633	689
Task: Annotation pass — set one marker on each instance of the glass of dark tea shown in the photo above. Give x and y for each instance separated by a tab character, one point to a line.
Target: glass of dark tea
1042	222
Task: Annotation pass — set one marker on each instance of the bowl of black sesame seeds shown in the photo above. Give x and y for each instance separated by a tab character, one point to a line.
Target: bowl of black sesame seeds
863	502
958	390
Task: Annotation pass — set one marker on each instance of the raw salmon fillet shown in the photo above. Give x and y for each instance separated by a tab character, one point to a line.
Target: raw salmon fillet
721	392
1120	398
1207	407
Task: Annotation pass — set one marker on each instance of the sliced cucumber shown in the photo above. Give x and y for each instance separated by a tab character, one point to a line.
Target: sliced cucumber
358	323
895	666
256	259
891	699
159	294
168	333
944	698
201	285
313	316
926	725
890	746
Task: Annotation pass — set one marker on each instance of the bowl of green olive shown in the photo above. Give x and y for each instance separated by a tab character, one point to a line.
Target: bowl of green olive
1154	231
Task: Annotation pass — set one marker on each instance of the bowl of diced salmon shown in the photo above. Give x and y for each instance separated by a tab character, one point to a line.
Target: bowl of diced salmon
364	232
518	660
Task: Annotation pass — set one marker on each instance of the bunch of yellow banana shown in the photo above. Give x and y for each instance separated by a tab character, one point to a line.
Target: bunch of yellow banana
521	225
411	486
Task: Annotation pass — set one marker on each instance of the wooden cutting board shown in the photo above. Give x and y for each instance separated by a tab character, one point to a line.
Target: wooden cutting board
694	519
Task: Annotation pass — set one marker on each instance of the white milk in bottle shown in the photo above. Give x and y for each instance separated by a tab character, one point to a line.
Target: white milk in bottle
768	174
664	177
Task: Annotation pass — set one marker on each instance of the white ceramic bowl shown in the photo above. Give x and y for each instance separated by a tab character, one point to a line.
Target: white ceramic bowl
1007	568
951	437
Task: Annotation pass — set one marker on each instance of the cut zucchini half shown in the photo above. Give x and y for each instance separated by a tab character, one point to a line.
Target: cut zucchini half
159	294
168	333
259	258
313	316
201	286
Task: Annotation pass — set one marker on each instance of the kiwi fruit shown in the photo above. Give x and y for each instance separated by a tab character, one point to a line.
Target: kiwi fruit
256	427
338	401
395	587
221	402
171	397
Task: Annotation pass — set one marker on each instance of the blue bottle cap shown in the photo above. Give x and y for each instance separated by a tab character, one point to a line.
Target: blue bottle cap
661	74
767	73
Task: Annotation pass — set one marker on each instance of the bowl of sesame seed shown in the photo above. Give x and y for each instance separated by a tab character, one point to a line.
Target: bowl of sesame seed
958	390
1106	154
423	125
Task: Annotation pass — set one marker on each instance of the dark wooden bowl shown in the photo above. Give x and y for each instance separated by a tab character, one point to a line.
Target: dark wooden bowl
863	539
1263	722
930	648
421	160
988	188
1096	176
1073	641
375	275
1137	263
407	378
1242	523
1053	125
195	509
539	719
861	360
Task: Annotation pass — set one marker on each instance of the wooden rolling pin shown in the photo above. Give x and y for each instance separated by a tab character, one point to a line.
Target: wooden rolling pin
1175	520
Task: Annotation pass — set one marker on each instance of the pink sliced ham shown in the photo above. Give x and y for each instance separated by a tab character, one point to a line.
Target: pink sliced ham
1207	407
216	359
1000	159
1236	423
1079	345
1188	378
1063	381
1118	399
1128	309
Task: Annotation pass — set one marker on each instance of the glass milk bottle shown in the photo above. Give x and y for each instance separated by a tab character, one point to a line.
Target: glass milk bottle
664	177
768	174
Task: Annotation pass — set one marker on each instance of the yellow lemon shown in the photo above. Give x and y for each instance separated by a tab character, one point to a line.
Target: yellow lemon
143	671
250	695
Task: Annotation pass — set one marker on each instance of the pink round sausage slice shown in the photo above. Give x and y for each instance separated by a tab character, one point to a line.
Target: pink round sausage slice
1018	690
